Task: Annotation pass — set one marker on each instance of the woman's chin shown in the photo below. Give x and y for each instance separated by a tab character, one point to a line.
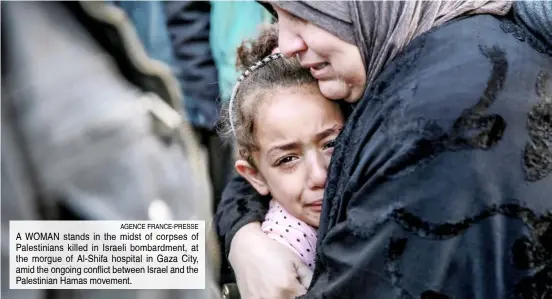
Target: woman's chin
355	94
334	89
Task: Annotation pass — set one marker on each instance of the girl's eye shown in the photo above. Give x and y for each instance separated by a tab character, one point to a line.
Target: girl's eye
285	160
330	144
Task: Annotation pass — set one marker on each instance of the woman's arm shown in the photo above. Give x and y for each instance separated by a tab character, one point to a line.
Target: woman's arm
240	205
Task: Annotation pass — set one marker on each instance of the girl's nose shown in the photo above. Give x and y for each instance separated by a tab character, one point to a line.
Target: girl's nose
317	172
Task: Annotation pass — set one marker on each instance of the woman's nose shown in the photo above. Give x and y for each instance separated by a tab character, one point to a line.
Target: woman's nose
289	42
317	172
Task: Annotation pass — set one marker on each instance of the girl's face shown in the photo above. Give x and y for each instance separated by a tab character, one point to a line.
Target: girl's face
295	130
336	64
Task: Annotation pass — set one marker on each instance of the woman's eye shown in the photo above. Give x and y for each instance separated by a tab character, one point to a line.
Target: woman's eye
330	144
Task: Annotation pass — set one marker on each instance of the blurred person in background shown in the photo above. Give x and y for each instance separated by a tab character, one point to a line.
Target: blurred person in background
188	24
205	36
91	131
177	34
150	21
198	39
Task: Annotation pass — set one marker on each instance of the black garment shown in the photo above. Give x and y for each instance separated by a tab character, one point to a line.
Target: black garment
440	185
221	163
189	24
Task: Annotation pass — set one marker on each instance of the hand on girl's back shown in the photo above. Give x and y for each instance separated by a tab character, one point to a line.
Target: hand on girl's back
264	268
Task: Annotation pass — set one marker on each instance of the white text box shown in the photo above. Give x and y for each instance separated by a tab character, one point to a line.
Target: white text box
107	255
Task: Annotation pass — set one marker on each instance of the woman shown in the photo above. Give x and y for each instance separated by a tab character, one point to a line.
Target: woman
440	184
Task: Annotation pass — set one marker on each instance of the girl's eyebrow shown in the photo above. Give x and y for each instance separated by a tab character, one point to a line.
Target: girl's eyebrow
283	147
327	132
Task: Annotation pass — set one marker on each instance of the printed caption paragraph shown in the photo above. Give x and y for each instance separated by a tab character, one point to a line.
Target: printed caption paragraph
107	255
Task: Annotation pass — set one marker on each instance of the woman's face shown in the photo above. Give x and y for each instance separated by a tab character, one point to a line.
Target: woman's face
336	64
295	131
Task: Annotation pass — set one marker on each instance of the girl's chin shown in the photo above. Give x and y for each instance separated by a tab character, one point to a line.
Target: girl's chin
313	220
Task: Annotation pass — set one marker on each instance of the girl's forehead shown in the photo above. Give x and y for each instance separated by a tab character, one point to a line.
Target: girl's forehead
295	115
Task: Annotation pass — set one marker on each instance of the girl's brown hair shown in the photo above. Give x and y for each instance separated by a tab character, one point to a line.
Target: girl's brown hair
268	75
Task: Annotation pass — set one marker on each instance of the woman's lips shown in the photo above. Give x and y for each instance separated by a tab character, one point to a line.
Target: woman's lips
320	71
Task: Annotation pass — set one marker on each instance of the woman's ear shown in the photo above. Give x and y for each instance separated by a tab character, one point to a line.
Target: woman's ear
252	175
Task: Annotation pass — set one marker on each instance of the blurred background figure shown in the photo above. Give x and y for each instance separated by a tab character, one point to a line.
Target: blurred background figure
150	22
91	131
205	36
188	24
198	39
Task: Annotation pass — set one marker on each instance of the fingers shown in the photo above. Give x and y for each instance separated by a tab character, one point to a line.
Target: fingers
298	291
304	274
291	289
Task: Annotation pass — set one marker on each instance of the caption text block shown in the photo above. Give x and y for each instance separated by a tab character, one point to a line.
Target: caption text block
107	255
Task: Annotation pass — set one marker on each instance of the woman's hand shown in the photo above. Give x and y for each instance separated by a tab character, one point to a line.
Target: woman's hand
264	268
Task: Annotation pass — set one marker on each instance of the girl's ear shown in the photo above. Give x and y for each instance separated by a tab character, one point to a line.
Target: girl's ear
252	175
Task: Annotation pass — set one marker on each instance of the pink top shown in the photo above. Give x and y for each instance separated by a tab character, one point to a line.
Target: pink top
290	231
